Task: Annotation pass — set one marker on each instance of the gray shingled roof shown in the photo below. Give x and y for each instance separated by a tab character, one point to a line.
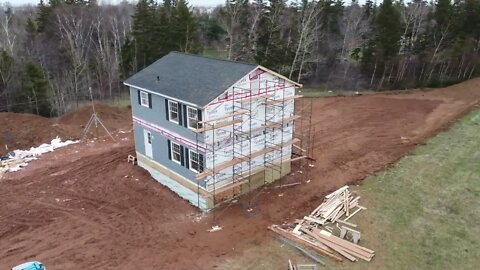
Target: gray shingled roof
191	78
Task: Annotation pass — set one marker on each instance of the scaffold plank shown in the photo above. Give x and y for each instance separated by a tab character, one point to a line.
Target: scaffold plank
220	125
273	102
235	161
238	112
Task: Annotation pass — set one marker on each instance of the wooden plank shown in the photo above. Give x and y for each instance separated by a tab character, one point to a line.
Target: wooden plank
295	238
328	244
282	122
253	97
358	210
235	161
342	242
347	223
336	192
299	148
314	220
219	125
298	158
273	102
238	112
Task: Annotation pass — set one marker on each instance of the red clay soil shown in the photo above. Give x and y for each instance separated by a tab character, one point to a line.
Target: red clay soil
22	131
84	207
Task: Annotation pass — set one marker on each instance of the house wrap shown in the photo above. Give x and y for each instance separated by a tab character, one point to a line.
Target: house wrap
212	129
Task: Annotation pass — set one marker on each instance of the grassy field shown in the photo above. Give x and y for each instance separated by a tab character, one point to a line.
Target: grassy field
423	213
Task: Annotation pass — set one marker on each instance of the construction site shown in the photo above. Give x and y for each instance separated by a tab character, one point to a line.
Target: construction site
83	206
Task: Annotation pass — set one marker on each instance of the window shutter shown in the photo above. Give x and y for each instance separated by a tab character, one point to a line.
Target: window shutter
185	115
182	160
139	98
187	160
180	118
166	110
199	116
169	150
150	100
200	161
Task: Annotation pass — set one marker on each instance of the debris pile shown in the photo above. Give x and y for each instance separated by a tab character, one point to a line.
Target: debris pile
314	232
16	160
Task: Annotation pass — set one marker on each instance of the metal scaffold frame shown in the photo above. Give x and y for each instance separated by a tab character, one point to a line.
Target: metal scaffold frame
242	156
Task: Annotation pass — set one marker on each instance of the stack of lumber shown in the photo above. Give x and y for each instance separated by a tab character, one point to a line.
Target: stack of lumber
336	204
310	232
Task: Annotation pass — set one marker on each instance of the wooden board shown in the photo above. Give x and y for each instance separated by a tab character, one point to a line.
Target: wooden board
235	161
273	102
238	112
219	125
304	242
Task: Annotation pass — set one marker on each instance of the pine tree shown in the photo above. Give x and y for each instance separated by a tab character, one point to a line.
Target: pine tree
44	17
388	30
34	91
185	28
143	31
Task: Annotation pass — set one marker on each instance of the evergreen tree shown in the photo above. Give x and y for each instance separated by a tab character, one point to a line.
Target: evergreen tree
388	30
185	28
34	92
270	46
143	32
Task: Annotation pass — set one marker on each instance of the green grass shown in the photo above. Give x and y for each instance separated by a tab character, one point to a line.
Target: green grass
422	213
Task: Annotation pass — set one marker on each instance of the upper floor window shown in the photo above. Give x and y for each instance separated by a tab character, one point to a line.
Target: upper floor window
192	117
173	111
144	99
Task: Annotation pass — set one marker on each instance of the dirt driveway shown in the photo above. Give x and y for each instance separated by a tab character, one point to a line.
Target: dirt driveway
84	207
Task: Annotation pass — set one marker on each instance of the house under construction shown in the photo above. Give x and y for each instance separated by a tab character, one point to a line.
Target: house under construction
212	129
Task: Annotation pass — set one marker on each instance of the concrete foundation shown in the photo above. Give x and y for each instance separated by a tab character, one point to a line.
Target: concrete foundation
206	200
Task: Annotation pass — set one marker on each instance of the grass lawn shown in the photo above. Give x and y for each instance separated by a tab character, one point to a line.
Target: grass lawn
423	213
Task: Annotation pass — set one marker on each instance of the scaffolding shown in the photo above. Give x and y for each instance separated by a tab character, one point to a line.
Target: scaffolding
244	126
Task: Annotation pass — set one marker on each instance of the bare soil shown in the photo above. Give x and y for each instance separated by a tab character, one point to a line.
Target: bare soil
84	207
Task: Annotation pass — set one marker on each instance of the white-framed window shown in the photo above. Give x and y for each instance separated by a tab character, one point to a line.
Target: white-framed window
144	100
176	152
196	162
192	117
173	111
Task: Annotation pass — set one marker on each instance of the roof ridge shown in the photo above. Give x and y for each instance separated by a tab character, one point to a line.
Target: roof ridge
213	58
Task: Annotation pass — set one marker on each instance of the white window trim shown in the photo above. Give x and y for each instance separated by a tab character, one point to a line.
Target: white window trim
188	118
141	99
178	112
190	160
171	153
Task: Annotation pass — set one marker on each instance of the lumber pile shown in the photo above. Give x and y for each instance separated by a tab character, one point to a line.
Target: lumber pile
316	231
336	204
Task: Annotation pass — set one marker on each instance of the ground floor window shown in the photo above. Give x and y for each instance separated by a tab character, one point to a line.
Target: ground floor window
196	162
176	152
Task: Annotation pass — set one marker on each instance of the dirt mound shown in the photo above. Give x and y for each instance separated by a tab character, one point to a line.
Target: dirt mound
21	130
114	118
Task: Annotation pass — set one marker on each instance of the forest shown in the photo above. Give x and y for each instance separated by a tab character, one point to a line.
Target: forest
61	53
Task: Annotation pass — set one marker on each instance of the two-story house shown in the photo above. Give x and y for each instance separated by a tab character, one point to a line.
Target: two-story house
212	129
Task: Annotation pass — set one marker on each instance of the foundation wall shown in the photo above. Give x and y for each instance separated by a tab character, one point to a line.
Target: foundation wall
200	197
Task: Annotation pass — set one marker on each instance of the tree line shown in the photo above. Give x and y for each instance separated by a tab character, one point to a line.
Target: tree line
61	53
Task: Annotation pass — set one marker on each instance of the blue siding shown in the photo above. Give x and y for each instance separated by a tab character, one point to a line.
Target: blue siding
156	115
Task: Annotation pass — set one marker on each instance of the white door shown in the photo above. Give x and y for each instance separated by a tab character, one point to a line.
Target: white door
148	143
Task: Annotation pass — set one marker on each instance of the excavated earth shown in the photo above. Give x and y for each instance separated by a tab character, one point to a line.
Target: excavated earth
84	207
